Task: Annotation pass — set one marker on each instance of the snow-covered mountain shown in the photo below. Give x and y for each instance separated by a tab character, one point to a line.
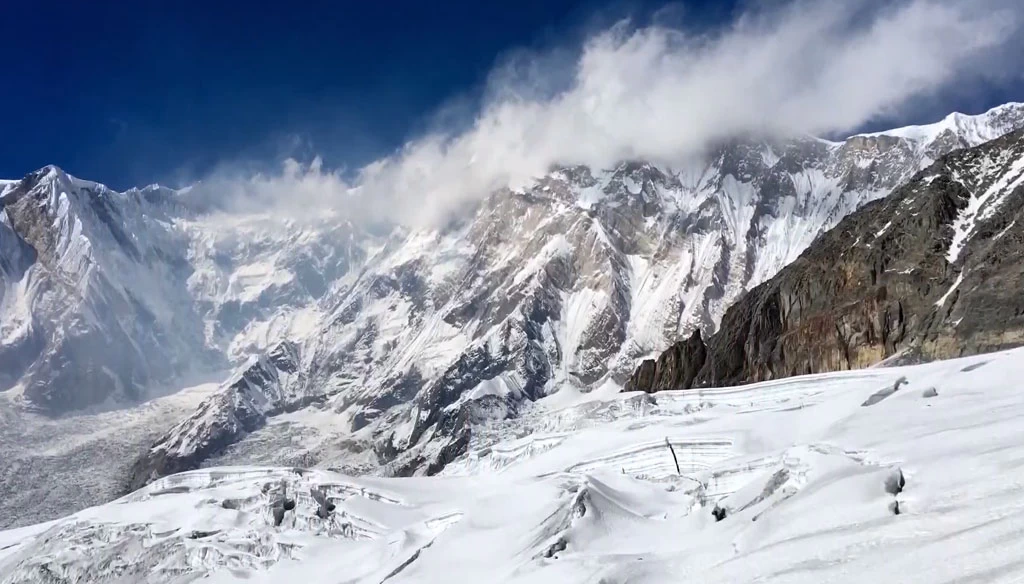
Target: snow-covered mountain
565	284
909	474
92	302
398	347
931	271
105	294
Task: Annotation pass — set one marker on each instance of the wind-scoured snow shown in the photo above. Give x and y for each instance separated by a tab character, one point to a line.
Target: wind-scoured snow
906	474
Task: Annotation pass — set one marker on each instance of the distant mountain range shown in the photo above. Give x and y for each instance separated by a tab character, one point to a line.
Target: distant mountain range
385	352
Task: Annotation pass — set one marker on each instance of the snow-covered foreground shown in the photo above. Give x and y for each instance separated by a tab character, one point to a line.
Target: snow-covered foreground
826	478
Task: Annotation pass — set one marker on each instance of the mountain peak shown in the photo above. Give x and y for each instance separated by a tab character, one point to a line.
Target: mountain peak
981	127
49	174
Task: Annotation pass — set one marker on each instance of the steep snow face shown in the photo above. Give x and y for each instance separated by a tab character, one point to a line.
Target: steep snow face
256	280
91	298
990	180
848	477
103	294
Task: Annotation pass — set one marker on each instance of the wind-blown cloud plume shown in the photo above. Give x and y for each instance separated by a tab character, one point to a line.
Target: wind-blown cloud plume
663	95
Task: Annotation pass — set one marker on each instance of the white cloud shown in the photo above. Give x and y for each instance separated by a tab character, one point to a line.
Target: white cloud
662	95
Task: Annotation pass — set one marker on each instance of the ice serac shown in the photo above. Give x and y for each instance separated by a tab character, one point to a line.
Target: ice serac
824	478
569	281
931	271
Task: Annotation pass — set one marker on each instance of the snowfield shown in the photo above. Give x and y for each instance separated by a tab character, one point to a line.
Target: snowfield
912	474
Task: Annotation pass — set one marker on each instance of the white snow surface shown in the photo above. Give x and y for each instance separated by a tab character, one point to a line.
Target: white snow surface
807	469
974	128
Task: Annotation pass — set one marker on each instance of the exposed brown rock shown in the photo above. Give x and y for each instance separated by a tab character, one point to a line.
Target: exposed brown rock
676	368
880	285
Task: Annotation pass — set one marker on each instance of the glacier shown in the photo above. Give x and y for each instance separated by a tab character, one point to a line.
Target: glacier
906	473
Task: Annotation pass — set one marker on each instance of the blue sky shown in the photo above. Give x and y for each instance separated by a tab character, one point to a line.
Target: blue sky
133	93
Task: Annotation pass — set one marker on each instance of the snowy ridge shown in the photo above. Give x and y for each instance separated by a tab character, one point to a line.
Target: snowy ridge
973	129
264	385
847	477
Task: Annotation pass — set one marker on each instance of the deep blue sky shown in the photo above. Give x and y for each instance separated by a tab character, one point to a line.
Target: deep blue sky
136	92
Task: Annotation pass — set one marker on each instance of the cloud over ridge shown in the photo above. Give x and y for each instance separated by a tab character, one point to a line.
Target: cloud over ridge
664	94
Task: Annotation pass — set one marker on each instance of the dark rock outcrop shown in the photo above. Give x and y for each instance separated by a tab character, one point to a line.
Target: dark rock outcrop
932	271
677	367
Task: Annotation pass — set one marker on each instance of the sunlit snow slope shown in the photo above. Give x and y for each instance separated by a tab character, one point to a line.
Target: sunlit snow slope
909	474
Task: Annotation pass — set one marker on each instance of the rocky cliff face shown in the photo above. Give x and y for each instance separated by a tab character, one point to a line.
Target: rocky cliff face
931	271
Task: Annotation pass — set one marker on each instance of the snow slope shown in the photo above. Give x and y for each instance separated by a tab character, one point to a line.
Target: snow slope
910	474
